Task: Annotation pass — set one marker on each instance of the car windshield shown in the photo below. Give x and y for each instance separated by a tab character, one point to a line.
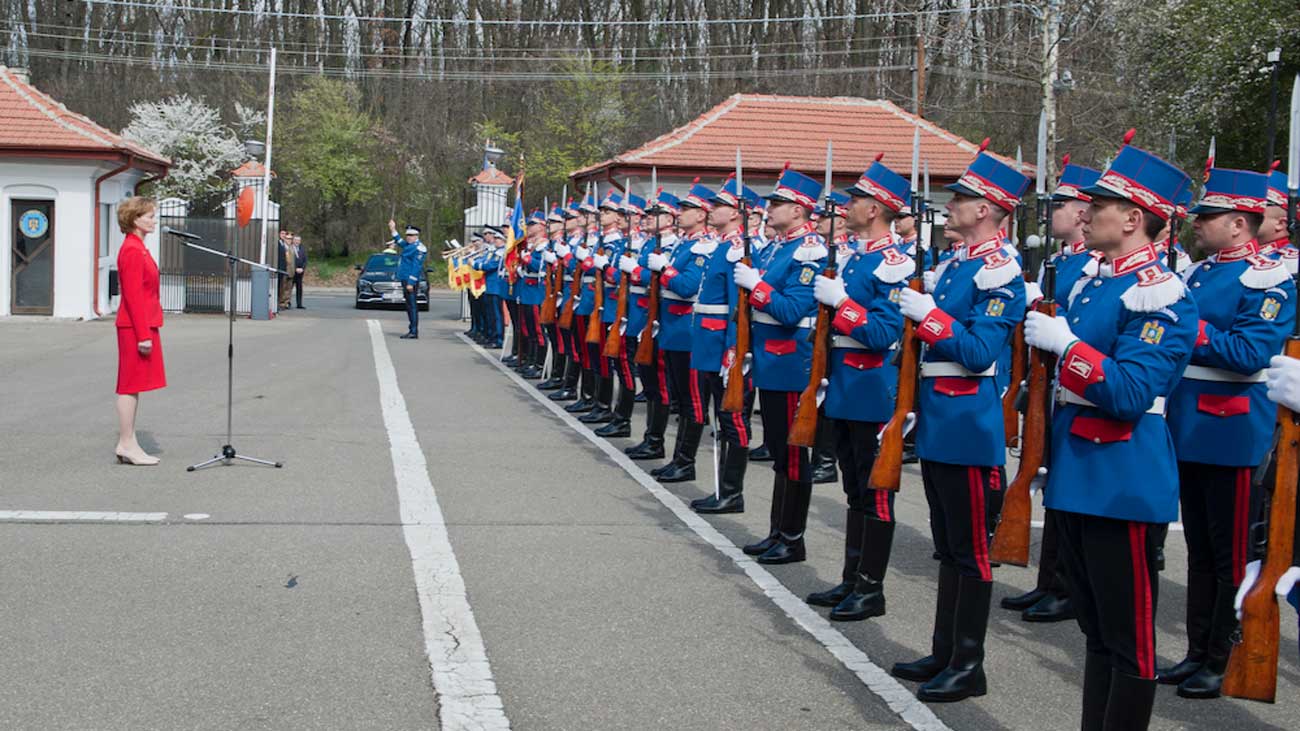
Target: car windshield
382	263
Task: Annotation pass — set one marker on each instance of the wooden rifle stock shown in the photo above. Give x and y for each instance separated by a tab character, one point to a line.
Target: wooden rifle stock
1252	666
733	398
575	290
547	316
594	325
887	471
1010	420
1011	539
645	346
803	432
614	338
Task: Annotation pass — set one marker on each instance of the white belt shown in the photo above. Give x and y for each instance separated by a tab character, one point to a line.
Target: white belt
703	309
1066	396
533	276
844	342
588	278
766	319
636	290
1205	373
948	368
669	294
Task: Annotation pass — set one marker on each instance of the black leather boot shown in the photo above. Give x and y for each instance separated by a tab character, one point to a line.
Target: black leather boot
652	445
731	483
824	470
964	676
1051	608
1128	705
1208	679
1096	690
945	606
852	554
789	547
682	468
1021	602
1200	615
868	597
774	517
615	429
760	454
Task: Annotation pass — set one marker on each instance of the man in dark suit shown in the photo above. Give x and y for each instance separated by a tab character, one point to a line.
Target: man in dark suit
284	262
299	268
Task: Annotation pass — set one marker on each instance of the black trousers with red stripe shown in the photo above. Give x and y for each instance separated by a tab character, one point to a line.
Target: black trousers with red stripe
622	365
1109	570
1218	503
777	411
706	395
597	364
678	369
965	501
855	448
654	377
531	315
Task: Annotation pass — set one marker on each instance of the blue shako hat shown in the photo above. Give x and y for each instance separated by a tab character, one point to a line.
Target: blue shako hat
633	204
1277	193
1233	190
991	179
879	182
665	203
841	201
1074	178
726	196
1144	180
699	196
795	187
612	202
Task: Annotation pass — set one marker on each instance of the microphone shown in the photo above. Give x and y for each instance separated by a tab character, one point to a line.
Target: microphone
182	234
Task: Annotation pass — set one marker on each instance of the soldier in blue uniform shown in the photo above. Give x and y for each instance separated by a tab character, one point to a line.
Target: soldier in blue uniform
905	231
1274	240
1049	601
629	248
1220	415
783	316
585	241
410	272
531	290
966	324
713	342
559	358
679	281
605	252
863	380
490	265
661	225
1128	333
823	454
573	235
760	250
476	331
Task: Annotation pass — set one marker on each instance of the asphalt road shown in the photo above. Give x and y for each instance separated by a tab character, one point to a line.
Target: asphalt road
286	599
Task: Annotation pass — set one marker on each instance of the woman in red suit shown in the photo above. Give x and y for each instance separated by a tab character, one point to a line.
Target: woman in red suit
139	349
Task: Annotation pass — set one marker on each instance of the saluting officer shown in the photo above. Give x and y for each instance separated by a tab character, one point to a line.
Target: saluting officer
1122	346
713	336
680	274
410	272
1220	416
966	324
1274	239
660	222
862	382
783	317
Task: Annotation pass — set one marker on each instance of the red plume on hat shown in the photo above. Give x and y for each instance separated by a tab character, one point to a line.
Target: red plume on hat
1129	135
1276	164
984	145
696	180
880	156
786	166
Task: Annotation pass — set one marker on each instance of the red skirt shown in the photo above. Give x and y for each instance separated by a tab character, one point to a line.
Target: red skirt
135	372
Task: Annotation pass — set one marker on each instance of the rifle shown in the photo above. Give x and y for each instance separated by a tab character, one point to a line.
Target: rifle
803	431
575	291
733	398
1252	666
1019	353
614	338
1010	543
593	325
553	284
645	346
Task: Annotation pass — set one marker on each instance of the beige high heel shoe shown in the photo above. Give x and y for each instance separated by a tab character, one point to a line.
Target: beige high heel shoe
139	460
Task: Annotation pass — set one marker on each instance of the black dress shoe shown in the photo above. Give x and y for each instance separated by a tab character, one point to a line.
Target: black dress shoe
1050	608
760	547
712	505
785	551
510	360
825	473
550	384
909	456
409	336
300	307
598	415
760	454
581	407
1022	602
831	597
615	429
866	601
677	472
531	373
646	450
564	394
639	398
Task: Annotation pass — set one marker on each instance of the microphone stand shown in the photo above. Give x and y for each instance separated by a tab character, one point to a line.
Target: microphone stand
228	453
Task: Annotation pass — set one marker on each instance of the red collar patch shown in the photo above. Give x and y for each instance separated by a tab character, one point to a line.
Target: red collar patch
1134	260
1237	253
984	248
884	242
1077	247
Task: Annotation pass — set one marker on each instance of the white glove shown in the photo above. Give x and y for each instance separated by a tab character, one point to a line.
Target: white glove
747	276
520	271
600	261
821	391
657	262
549	257
928	278
1283	377
627	264
562	250
915	305
1048	333
1033	292
1287	581
829	292
1248	581
582	252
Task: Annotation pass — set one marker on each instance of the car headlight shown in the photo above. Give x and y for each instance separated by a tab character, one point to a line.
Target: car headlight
364	286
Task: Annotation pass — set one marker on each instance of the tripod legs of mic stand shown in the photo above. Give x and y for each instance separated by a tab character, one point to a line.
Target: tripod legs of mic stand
228	455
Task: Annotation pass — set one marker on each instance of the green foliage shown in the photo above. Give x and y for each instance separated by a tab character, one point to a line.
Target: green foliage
1203	66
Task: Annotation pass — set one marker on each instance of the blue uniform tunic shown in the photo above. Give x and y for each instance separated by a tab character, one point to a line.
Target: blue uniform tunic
612	244
1136	326
783	311
638	314
587	294
410	268
1220	413
531	286
680	282
863	376
1070	263
980	298
713	330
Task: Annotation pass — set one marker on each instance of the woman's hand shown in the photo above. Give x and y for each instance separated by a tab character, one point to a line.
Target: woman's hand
145	347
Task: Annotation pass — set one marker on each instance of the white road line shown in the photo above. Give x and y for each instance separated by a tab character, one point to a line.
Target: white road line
462	676
899	699
78	516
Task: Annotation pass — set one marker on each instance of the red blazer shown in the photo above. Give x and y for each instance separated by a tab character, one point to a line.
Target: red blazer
137	273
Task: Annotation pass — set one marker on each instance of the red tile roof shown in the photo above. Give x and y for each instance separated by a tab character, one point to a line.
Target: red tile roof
492	176
32	120
250	169
771	130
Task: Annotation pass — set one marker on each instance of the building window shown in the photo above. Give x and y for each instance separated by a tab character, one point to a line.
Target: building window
106	230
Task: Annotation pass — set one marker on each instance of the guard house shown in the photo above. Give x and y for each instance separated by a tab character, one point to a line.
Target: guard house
491	194
61	178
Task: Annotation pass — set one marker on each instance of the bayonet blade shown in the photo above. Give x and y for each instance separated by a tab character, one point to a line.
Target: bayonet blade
1293	146
1040	162
829	155
740	176
916	156
926	194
